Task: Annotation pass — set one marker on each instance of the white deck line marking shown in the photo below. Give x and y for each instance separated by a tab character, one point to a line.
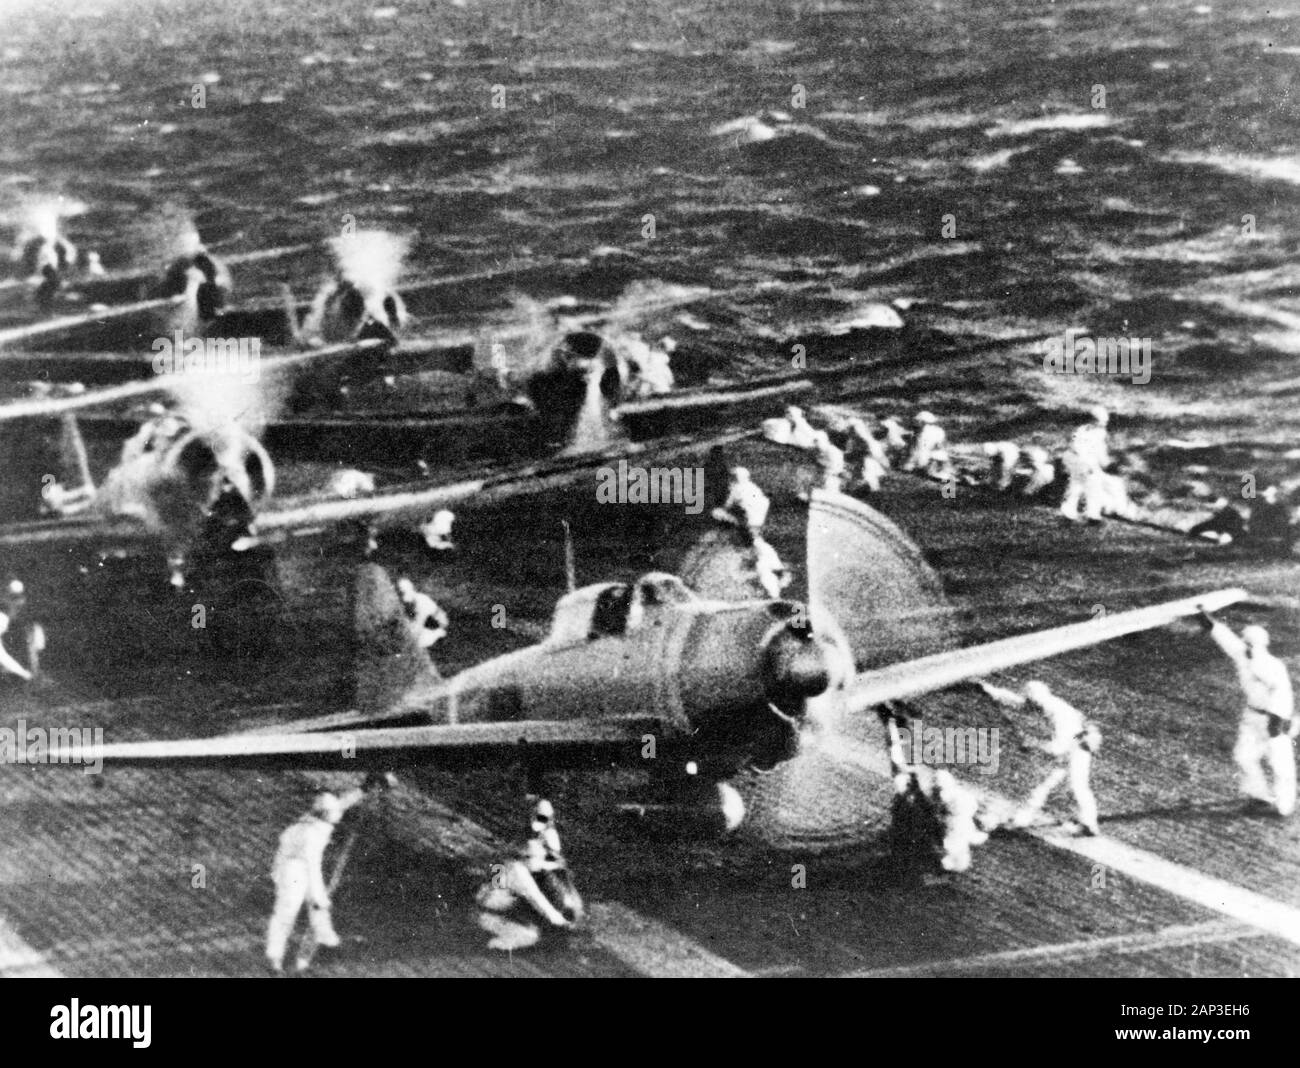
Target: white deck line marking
653	948
1193	934
19	960
1220	896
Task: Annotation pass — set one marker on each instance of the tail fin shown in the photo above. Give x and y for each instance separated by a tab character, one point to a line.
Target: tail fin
292	326
74	462
390	667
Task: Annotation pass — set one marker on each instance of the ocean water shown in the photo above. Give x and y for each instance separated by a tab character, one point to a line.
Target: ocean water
1001	172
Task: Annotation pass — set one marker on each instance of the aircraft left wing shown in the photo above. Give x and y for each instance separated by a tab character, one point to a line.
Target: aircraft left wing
912	678
444	744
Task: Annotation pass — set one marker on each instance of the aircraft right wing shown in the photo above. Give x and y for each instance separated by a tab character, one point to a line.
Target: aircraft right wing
46	407
402	506
912	678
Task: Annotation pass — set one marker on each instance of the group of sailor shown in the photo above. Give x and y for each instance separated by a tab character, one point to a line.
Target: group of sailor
935	814
851	456
524	898
931	806
534	892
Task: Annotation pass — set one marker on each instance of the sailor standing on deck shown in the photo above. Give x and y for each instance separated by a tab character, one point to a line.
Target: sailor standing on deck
14	622
773	575
830	462
1085	462
930	807
746	505
1268	724
895	438
1074	740
865	449
298	877
802	435
927	446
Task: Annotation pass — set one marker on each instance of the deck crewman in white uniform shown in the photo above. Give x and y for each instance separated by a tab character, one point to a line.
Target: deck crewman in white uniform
1042	472
773	575
746	505
927	445
1073	742
1268	724
930	802
830	462
867	452
14	624
1005	455
437	531
298	877
537	887
1086	461
427	619
895	438
802	435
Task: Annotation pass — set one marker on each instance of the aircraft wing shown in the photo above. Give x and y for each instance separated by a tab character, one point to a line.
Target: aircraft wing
912	678
46	407
403	506
108	536
428	744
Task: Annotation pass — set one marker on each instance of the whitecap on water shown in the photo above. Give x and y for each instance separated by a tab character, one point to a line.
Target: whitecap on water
1073	120
993	160
1278	169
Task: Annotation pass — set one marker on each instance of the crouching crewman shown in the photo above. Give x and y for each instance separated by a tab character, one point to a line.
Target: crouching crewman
535	893
930	806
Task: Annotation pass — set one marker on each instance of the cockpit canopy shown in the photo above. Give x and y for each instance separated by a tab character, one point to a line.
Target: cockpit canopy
609	609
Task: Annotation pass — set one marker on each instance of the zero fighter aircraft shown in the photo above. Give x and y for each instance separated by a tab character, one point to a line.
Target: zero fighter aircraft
744	698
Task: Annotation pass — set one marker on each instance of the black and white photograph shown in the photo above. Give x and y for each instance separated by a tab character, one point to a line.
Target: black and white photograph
664	489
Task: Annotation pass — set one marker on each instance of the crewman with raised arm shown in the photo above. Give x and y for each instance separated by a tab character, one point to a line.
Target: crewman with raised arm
1267	729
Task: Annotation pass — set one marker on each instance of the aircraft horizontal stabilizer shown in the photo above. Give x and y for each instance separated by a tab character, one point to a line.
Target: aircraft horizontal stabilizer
912	678
431	744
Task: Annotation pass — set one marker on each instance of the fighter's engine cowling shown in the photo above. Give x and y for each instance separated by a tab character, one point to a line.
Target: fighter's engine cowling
576	392
796	666
210	463
174	488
